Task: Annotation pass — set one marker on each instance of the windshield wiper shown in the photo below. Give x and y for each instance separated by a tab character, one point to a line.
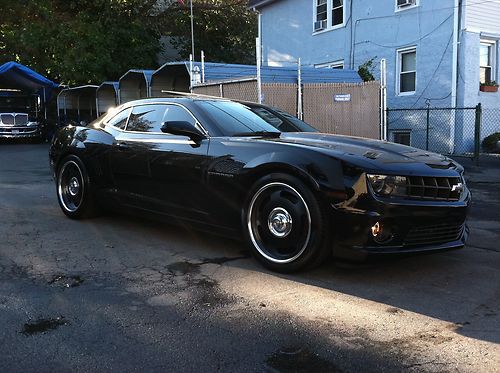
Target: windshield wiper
258	133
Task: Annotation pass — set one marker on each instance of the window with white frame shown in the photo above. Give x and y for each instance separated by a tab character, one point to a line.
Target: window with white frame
407	71
321	22
332	65
337	12
487	61
328	14
405	4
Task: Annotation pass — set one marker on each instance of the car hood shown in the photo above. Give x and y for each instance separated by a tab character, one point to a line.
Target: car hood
372	154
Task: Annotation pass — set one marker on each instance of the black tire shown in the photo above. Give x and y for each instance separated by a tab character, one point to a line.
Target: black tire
73	187
285	224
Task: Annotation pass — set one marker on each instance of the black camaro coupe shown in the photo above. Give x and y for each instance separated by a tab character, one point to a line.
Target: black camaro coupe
296	198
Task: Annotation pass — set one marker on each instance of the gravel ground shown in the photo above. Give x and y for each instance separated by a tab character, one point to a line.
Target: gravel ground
123	294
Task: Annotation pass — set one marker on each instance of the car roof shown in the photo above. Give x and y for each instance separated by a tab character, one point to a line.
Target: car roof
172	99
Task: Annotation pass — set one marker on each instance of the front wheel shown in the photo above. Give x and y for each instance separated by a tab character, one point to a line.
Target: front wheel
285	224
73	189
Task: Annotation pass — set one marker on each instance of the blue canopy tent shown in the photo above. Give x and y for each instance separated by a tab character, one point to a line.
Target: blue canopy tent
77	104
107	96
135	84
175	76
16	78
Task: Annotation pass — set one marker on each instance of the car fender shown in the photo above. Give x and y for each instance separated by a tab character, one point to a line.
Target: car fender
322	172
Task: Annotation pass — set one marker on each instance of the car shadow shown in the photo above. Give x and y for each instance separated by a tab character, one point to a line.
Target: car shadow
457	286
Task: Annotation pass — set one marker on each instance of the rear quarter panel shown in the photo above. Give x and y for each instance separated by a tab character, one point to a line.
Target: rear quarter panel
91	145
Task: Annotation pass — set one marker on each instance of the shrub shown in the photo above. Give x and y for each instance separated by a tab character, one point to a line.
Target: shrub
365	70
490	143
491	83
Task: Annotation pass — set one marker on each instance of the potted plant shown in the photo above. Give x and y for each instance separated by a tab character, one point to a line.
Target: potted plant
490	86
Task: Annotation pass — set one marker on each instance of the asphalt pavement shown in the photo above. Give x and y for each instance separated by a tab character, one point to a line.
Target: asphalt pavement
119	293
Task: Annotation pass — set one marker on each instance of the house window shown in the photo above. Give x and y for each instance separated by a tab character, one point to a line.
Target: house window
321	15
405	4
337	12
331	65
407	74
328	14
402	137
487	54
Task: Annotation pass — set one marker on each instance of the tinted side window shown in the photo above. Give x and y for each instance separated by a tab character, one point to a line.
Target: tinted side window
120	119
176	113
146	118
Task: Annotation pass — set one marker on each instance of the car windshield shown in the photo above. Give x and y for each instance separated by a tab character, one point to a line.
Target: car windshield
301	125
281	120
236	119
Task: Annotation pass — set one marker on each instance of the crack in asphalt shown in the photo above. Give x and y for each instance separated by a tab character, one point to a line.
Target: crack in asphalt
484	248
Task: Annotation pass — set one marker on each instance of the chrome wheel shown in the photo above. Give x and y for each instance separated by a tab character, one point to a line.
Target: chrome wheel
279	222
70	186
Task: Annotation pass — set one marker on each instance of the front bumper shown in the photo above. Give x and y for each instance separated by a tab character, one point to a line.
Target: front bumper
19	132
409	228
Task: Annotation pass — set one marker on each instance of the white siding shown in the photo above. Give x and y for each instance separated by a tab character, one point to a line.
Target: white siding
482	16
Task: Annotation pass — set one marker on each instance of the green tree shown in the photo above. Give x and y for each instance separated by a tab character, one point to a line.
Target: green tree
366	69
89	41
224	29
79	42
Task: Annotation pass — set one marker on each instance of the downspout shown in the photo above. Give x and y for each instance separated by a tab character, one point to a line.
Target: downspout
454	76
456	31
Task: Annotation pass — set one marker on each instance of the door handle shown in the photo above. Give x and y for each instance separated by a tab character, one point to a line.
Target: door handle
123	146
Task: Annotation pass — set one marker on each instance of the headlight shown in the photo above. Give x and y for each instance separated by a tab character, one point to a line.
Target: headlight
388	185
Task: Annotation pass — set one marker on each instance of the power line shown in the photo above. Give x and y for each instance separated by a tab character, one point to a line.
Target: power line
430	80
410	42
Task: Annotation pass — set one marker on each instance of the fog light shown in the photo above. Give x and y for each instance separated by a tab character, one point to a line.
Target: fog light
376	229
381	234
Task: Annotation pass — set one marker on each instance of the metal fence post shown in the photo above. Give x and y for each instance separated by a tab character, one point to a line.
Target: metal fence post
427	128
477	132
300	112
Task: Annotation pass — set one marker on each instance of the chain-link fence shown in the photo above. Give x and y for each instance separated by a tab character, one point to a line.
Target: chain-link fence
340	108
490	124
280	95
351	109
443	130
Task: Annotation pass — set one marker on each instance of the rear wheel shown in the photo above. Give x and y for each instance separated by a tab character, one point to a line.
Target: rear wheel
73	189
285	224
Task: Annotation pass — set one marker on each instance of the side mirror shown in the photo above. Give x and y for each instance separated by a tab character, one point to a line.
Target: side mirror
182	128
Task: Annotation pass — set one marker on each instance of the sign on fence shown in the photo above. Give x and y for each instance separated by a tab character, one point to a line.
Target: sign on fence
344	97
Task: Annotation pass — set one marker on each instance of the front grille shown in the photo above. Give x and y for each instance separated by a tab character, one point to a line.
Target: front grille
21	119
15	131
434	234
434	188
14	119
7	119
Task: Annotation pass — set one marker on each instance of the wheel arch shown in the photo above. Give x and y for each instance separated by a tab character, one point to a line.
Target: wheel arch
318	171
258	172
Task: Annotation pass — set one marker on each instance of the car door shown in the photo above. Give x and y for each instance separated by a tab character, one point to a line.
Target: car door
177	166
129	156
157	171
